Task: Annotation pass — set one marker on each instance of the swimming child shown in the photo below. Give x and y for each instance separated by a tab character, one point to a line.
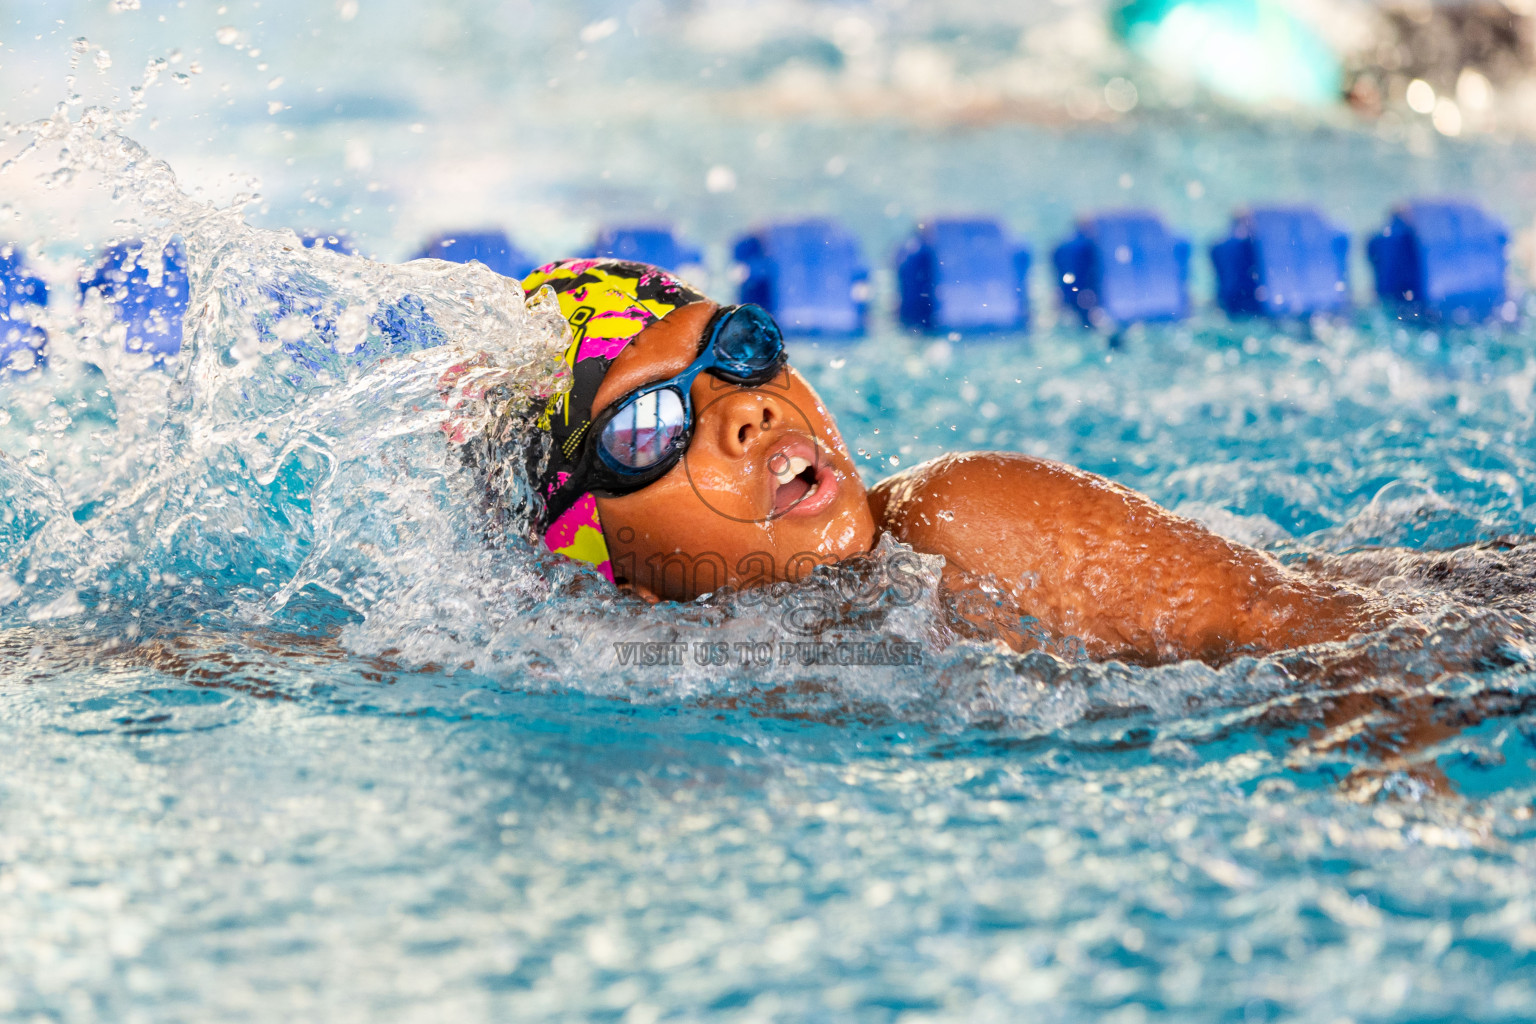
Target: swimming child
689	455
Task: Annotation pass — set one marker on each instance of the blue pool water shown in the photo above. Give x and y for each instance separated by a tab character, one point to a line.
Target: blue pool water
290	731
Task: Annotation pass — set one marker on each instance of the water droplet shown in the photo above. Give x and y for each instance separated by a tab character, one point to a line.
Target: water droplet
1420	96
1120	95
720	179
599	30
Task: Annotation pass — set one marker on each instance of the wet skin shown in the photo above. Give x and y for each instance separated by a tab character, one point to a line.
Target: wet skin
768	489
723	514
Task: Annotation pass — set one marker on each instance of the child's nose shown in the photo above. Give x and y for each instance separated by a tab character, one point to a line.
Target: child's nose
740	417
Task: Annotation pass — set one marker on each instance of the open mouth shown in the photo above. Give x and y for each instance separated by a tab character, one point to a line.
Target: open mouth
803	484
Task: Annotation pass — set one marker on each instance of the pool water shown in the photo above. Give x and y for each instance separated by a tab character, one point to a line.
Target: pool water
293	730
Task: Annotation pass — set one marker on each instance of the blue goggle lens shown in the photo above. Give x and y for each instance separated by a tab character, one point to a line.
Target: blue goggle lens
645	430
747	344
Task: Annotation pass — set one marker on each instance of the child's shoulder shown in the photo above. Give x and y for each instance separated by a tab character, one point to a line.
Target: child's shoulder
972	484
954	505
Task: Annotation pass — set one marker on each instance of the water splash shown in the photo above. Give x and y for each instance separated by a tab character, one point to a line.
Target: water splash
315	462
312	432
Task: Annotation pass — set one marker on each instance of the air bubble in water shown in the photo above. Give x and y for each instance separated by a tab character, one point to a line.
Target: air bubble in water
103	60
227	35
125	5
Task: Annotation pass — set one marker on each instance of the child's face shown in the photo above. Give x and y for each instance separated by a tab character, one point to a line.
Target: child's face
766	490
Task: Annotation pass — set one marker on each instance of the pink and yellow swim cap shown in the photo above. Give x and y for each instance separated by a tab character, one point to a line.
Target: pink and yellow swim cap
608	303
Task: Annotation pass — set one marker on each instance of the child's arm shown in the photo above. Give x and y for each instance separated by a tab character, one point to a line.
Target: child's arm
1091	559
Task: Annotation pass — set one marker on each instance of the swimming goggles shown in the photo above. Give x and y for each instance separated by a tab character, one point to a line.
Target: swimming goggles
638	439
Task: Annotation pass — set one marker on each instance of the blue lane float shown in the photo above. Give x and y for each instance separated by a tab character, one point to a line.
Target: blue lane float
491	247
809	274
963	275
23	345
1436	259
1441	260
647	243
152	312
1123	267
1282	261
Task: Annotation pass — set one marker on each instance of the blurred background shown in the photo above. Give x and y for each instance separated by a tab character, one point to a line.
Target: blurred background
392	120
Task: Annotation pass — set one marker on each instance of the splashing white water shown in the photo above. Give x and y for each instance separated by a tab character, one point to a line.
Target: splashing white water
312	431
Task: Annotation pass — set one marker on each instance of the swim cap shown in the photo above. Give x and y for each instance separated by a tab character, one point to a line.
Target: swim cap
607	303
